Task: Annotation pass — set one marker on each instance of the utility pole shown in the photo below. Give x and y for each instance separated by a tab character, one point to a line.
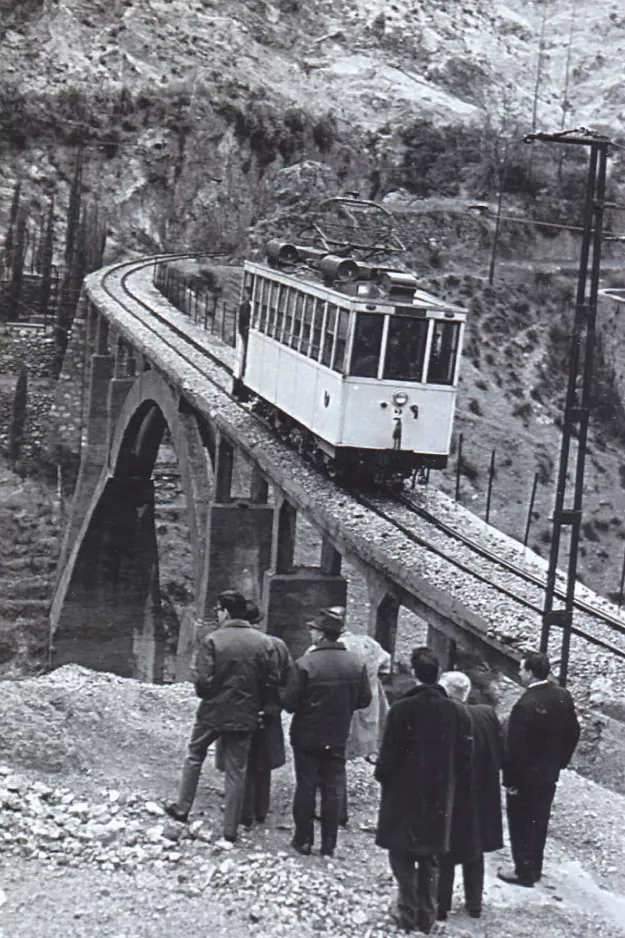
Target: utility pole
503	165
568	513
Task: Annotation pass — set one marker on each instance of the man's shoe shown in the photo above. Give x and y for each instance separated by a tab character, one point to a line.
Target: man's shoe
260	819
510	876
441	915
247	823
475	913
400	921
326	852
304	849
225	843
172	811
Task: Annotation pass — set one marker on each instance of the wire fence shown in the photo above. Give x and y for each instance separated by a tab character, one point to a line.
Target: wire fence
200	304
34	303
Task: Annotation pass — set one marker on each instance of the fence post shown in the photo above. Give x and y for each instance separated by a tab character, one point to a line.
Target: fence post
458	466
620	592
491	475
530	510
223	321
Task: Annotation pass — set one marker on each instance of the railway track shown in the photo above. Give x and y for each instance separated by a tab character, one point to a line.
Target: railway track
503	576
414	522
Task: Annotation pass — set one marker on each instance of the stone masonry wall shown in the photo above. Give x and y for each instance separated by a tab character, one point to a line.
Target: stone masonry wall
33	349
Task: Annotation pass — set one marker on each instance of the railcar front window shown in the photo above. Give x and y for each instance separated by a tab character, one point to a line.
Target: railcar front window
328	336
444	353
405	349
341	340
367	345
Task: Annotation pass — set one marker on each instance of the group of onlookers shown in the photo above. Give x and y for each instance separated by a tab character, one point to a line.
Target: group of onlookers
438	759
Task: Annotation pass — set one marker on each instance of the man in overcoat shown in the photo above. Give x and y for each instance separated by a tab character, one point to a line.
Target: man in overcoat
543	731
476	826
235	670
326	685
426	746
267	745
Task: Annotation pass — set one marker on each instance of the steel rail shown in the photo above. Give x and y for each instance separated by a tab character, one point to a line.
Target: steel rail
605	617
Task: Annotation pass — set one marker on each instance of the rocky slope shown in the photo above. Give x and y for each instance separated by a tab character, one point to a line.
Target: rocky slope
191	112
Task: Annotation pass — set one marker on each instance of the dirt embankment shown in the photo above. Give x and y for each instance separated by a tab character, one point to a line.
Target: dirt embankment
86	759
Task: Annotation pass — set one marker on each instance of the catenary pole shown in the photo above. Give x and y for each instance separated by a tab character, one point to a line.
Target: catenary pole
567	512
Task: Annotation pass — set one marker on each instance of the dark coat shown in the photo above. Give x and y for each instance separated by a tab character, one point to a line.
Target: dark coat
325	687
235	673
543	732
269	740
476	826
426	746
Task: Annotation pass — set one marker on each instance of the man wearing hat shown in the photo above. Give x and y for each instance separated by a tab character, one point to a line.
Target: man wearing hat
326	686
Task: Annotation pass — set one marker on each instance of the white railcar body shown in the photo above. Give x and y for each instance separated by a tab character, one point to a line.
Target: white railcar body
367	374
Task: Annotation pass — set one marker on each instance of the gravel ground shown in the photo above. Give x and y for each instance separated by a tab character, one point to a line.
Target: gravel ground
86	760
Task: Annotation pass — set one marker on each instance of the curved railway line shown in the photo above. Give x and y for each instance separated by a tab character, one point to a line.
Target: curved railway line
418	525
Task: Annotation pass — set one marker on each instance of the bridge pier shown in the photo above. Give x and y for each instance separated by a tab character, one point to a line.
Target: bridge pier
239	537
111	618
292	596
443	647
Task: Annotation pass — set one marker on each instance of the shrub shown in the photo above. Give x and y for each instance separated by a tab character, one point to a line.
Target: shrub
18	417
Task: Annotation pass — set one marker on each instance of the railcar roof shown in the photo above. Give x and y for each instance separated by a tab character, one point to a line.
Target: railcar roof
420	299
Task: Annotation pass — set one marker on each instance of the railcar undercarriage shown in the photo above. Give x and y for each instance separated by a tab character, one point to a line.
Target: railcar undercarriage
354	468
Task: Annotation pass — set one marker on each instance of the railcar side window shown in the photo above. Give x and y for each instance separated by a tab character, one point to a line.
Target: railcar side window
285	315
262	288
444	352
367	343
309	306
273	323
248	293
341	340
328	335
405	348
316	329
297	299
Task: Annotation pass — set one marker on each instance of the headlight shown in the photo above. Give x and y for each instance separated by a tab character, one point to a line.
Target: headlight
400	398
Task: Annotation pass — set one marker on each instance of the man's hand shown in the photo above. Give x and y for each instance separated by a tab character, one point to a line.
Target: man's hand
511	790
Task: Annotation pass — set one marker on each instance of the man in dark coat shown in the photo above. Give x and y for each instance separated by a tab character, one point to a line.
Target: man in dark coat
235	671
326	685
426	746
543	732
476	826
267	745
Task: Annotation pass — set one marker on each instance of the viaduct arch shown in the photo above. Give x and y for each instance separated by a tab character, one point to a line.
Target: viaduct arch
107	606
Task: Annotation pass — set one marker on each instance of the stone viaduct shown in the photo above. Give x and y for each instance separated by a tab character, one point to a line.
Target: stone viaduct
132	382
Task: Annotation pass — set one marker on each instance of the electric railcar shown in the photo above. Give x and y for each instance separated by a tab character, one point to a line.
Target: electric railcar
353	361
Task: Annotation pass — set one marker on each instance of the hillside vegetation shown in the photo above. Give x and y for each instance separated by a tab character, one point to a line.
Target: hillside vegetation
216	124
